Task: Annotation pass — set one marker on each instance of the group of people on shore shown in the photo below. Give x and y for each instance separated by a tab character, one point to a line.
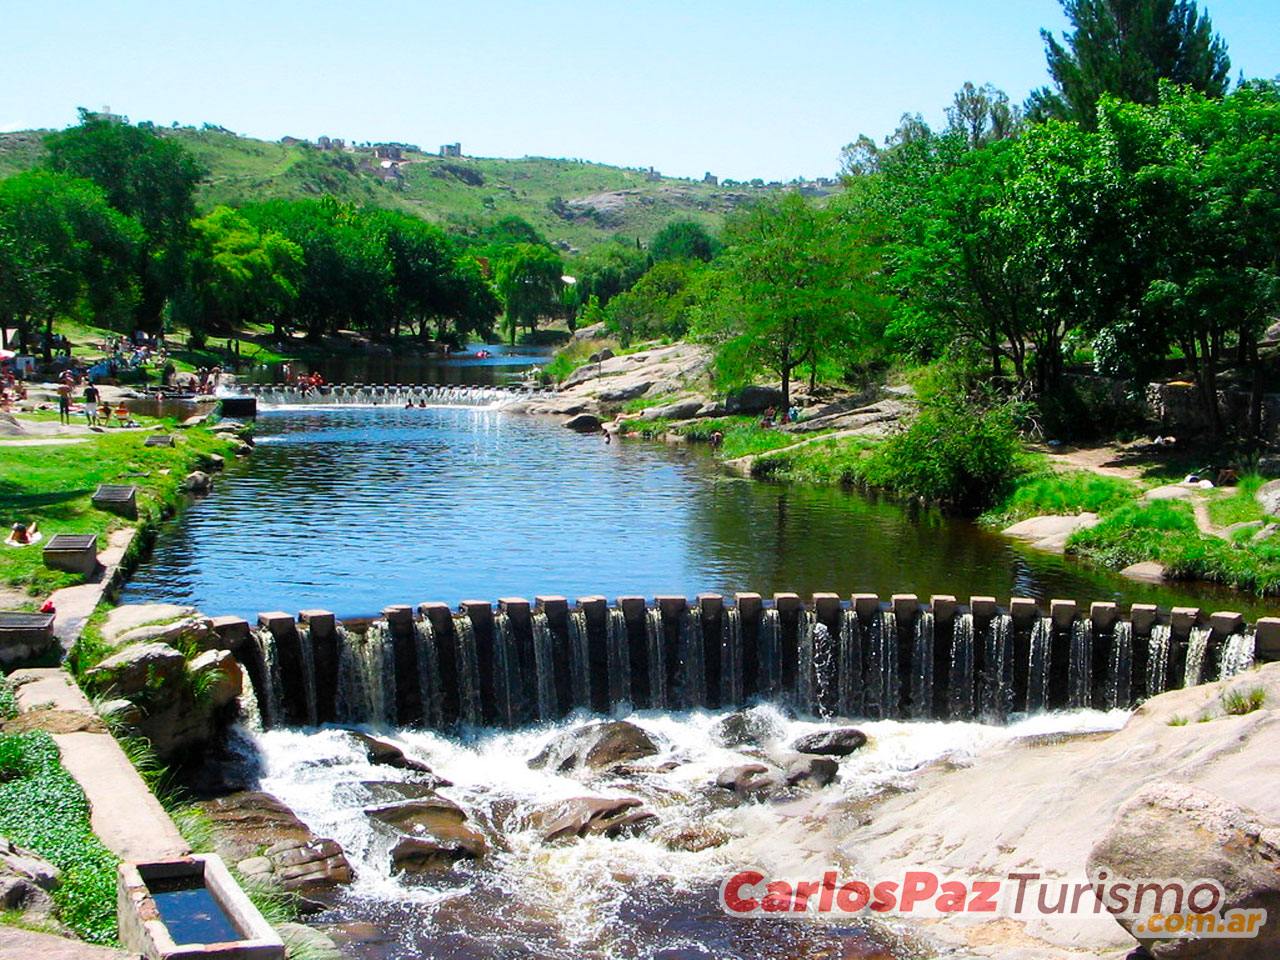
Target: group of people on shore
96	411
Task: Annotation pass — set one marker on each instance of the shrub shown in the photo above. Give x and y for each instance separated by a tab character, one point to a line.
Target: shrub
951	452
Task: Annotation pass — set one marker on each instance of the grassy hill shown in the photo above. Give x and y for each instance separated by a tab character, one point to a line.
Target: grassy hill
574	203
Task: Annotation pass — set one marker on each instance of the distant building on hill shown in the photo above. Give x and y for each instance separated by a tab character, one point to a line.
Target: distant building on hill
451	150
294	142
652	175
711	178
106	114
388	151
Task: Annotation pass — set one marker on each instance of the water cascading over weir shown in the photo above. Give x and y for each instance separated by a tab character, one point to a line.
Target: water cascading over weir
520	663
358	394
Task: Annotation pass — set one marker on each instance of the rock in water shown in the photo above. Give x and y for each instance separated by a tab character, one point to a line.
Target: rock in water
746	727
831	743
594	747
388	754
584	423
586	816
1175	831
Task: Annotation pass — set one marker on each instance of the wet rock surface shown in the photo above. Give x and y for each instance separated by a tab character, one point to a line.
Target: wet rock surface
595	747
832	743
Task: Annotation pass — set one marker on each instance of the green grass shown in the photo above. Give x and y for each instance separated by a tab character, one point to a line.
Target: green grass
1045	493
8	703
1237	505
1236	703
840	461
45	810
1165	532
1177	720
52	485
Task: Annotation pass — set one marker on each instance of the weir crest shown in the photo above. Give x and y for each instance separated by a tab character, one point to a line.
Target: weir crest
523	662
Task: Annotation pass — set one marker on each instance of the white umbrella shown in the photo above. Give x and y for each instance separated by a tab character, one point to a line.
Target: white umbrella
7	354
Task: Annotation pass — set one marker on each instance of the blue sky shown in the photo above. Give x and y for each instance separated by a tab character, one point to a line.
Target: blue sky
742	89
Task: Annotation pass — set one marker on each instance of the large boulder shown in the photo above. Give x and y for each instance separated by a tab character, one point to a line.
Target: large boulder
131	616
753	399
425	855
839	742
1268	497
809	770
577	817
584	423
142	667
434	818
264	838
193	630
679	410
594	747
383	753
1176	831
218	675
26	882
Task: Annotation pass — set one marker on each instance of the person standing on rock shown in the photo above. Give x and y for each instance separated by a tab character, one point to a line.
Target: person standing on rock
91	404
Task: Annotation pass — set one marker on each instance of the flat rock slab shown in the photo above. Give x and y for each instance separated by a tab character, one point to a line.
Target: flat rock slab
16	944
1171	491
1146	572
49	687
126	816
131	616
1050	533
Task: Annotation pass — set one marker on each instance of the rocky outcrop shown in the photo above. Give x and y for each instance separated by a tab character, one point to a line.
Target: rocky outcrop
1174	831
197	481
1268	497
753	399
751	781
838	742
595	747
181	706
426	833
805	770
266	840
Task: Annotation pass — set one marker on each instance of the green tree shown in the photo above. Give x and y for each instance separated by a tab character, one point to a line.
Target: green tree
147	177
661	304
792	284
241	272
72	253
529	280
1125	48
682	240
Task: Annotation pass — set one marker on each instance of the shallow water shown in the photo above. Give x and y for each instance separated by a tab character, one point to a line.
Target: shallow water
597	897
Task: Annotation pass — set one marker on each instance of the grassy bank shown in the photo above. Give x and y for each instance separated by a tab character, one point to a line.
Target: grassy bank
53	485
43	809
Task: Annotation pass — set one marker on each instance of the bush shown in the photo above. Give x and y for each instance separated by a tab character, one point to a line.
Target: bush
1237	703
573	356
44	809
951	452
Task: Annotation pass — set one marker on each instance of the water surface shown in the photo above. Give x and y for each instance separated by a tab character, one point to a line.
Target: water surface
351	509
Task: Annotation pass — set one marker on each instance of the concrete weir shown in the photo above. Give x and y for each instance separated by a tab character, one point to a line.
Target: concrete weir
518	661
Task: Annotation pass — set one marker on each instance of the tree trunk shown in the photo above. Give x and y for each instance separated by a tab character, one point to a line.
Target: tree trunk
1258	391
1208	381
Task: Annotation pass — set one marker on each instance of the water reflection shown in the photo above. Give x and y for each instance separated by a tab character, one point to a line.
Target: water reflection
355	509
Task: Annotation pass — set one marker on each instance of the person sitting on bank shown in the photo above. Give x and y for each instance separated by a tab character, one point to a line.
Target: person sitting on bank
23	534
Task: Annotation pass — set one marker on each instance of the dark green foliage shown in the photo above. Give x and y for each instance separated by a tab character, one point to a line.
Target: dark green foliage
8	704
950	452
1125	48
45	810
683	240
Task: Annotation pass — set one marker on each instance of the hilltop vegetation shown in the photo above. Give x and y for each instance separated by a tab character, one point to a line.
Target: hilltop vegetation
573	203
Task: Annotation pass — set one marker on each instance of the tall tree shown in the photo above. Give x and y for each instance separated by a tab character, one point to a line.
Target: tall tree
792	284
1125	48
682	240
73	252
241	272
151	179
